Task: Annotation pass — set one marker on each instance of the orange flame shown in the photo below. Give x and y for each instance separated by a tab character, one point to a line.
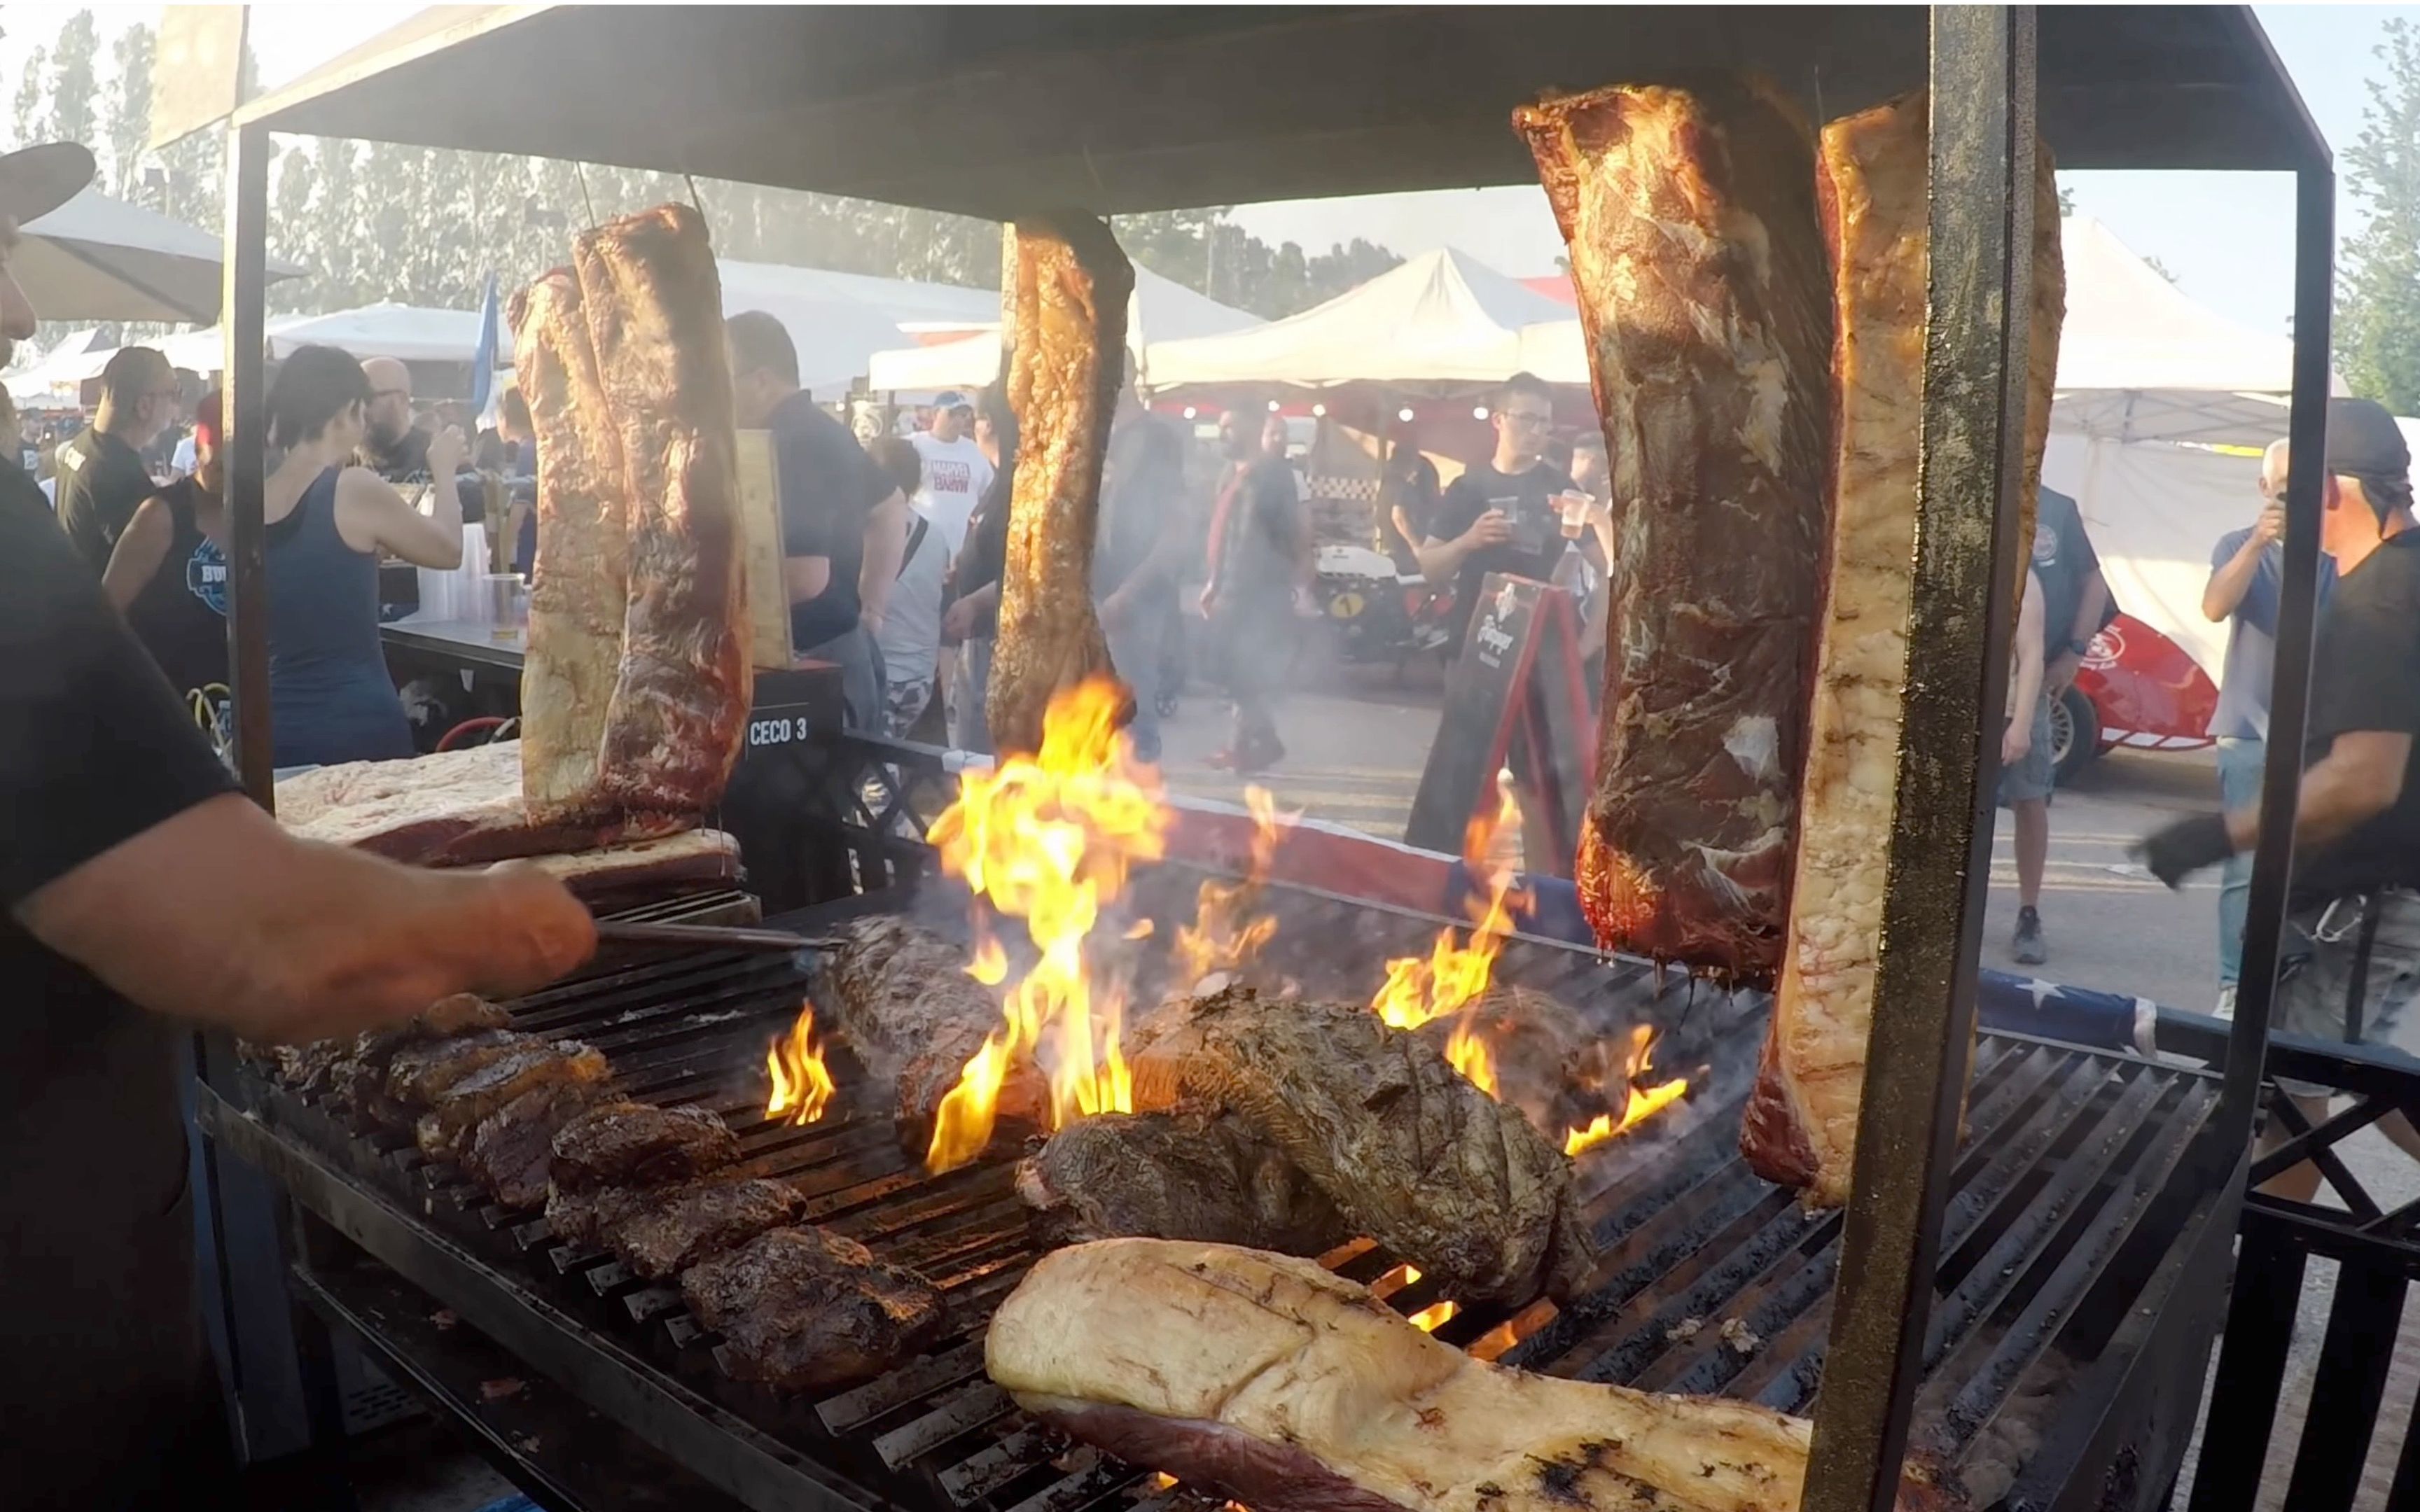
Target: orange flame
1644	1102
1050	838
990	963
1429	1318
802	1088
1418	990
1469	1054
1221	938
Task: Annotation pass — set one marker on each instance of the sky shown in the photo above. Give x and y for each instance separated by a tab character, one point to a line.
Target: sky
2227	237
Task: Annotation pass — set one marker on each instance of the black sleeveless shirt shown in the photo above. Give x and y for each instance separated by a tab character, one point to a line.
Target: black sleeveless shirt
181	615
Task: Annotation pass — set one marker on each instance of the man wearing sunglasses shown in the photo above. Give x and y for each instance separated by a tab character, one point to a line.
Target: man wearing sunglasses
1501	516
102	480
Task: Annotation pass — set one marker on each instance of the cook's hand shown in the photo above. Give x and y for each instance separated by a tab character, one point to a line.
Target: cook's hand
2186	847
1493	528
2270	527
2015	741
522	931
2061	674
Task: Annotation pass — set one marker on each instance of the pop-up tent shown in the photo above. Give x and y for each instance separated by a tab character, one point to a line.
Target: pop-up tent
838	321
99	258
1161	311
1443	320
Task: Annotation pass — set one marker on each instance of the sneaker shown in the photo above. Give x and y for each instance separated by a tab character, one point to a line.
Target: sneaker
2027	948
2226	1007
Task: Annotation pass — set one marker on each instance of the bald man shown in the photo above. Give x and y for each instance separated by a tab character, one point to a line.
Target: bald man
392	446
2247	569
102	477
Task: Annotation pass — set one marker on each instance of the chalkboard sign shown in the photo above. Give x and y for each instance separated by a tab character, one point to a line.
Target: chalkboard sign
1518	698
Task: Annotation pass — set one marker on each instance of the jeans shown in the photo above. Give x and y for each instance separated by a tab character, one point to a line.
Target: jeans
968	730
2240	760
1134	651
861	677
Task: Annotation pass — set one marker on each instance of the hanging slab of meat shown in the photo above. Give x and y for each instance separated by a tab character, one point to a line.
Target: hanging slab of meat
1691	220
1069	310
1187	1174
1413	1155
903	1003
652	304
1802	1117
1549	1062
802	1309
1266	1379
580	584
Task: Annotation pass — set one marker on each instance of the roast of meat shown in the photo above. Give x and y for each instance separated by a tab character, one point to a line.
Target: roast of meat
511	1154
1802	1118
1268	1380
900	999
660	1231
1551	1062
652	304
1412	1154
418	1073
579	583
453	1114
628	1144
1187	1174
1069	311
1694	250
801	1309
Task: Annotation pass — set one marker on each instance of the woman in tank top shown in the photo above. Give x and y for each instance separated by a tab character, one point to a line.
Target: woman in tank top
168	574
331	699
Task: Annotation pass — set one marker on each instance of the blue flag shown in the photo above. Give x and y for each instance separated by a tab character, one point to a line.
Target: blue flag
483	366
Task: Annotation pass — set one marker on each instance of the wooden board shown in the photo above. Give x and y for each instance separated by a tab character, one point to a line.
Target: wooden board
760	520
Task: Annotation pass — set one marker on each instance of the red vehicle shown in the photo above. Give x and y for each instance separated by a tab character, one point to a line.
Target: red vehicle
2137	688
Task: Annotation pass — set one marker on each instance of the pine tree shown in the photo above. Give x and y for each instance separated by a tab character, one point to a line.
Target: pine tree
2377	288
31	88
290	228
75	84
127	124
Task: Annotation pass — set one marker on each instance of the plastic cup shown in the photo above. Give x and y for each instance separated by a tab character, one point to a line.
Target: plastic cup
1575	506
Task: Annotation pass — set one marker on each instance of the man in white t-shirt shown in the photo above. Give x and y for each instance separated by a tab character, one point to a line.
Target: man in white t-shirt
956	470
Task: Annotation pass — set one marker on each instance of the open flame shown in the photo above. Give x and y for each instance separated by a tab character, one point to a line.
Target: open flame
802	1088
1430	1317
1225	934
1644	1101
1469	1054
1419	989
1050	838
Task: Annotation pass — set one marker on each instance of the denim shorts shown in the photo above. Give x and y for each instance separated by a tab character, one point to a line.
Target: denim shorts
2032	776
2317	960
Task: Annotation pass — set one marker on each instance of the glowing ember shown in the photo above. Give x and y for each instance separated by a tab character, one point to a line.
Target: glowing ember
1050	839
1419	989
1224	935
1430	1318
1161	1480
1394	1281
802	1088
1644	1102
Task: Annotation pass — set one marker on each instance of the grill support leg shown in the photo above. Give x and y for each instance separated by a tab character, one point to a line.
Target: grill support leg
2251	1367
2351	1381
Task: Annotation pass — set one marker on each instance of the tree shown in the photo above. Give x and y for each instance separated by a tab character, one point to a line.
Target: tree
75	87
2377	299
2066	201
128	110
30	90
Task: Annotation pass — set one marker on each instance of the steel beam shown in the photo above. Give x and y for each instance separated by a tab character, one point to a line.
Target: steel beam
247	459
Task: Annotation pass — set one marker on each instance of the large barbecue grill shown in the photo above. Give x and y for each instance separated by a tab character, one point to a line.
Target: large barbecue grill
2043	1297
2062	1241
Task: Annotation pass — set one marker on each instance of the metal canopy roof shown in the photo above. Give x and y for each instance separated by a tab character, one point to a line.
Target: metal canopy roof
991	110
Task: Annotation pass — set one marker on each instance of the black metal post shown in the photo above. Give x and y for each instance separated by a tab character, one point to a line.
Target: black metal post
1977	321
247	274
2281	777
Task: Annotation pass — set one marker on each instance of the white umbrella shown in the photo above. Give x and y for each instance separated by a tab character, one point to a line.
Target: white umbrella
99	258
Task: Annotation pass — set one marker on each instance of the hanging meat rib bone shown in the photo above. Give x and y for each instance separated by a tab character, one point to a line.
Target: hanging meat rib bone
652	304
1691	220
580	584
1802	1119
1069	313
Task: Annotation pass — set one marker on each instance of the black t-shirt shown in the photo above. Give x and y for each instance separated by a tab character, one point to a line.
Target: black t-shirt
180	614
983	560
1261	515
102	482
2367	676
1143	495
94	749
829	489
2063	558
1526	499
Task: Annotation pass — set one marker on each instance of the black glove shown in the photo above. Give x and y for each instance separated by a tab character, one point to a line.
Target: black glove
2186	847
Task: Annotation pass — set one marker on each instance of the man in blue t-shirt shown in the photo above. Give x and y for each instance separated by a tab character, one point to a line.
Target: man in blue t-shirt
2247	570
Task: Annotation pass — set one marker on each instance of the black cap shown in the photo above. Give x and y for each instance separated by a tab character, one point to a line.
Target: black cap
2363	440
36	180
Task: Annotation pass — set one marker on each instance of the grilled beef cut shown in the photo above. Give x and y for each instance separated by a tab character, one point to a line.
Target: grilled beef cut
1549	1062
1412	1154
800	1309
1266	1379
454	1115
666	1229
1691	220
1070	304
511	1152
1802	1117
418	1073
652	304
1186	1174
640	1145
903	1003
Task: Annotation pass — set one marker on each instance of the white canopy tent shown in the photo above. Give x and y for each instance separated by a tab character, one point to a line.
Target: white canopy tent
99	258
1161	309
839	321
1443	319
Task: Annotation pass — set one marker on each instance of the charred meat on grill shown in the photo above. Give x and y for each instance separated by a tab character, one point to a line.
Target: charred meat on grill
1191	1173
511	1154
640	1145
418	1073
801	1309
454	1113
1411	1153
460	1013
903	1003
666	1229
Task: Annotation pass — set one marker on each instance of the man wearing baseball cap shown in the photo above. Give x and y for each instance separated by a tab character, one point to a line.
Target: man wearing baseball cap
2349	963
137	883
956	470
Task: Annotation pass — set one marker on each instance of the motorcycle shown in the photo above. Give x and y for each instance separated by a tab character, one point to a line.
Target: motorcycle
1378	612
